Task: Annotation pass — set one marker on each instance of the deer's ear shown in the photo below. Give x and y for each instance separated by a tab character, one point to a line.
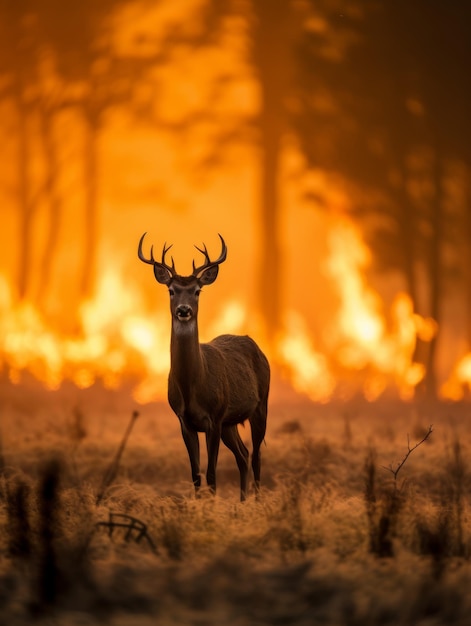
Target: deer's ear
162	275
209	275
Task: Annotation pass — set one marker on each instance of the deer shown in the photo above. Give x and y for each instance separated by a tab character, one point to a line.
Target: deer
212	387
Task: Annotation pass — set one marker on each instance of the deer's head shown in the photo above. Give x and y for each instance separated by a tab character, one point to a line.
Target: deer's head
184	290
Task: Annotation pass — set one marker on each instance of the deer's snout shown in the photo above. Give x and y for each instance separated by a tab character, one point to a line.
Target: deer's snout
184	312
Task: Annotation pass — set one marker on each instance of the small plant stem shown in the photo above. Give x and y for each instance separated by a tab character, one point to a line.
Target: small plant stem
110	474
396	471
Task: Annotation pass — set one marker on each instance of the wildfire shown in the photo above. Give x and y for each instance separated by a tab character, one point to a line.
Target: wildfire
458	384
117	340
114	341
361	338
307	368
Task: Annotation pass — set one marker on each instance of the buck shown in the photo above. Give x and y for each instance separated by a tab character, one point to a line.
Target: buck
212	387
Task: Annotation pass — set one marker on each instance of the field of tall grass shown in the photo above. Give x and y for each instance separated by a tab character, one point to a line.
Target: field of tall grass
91	533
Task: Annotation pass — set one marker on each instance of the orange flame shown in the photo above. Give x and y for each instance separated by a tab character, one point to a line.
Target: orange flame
307	368
458	384
360	337
115	341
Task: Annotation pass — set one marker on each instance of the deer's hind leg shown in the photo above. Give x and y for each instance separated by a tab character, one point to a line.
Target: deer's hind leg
231	438
258	425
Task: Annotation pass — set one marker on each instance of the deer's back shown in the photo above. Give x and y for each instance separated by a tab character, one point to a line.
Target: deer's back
239	363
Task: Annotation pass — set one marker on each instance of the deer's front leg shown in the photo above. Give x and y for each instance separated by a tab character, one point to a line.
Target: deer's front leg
213	438
190	437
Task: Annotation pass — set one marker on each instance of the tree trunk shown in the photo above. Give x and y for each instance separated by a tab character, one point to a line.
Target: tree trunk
272	52
24	196
270	267
435	278
467	253
91	207
55	204
408	237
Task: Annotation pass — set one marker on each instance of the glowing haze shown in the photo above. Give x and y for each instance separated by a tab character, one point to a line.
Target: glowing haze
339	336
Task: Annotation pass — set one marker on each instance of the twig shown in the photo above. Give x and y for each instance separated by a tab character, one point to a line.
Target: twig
110	475
395	472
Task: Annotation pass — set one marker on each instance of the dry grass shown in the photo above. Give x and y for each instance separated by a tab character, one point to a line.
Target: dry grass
333	539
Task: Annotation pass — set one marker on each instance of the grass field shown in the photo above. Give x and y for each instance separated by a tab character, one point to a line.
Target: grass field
333	539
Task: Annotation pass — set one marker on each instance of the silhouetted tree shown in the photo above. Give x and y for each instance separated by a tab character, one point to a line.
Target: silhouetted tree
88	78
79	38
20	86
276	26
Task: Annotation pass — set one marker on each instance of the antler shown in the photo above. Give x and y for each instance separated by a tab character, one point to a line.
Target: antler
208	263
151	261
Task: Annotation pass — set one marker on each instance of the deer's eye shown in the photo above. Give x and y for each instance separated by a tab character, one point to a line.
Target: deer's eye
171	292
197	292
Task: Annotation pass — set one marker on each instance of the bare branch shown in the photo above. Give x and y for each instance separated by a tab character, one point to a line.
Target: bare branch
396	471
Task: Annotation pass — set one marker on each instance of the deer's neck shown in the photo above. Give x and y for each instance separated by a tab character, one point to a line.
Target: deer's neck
185	356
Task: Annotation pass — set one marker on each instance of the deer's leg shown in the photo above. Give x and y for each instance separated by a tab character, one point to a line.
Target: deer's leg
231	438
213	439
258	425
192	443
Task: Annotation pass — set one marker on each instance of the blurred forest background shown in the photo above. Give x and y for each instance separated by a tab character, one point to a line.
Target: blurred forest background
270	121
